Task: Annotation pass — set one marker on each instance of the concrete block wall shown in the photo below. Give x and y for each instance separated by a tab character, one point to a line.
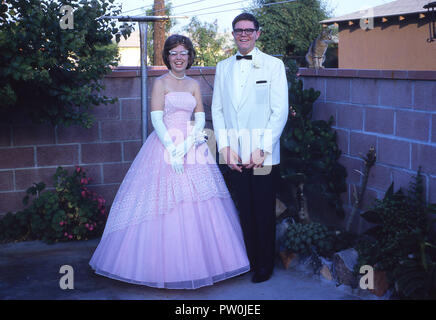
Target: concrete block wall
31	153
394	111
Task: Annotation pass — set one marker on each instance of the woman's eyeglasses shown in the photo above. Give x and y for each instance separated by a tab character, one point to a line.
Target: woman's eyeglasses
248	32
182	53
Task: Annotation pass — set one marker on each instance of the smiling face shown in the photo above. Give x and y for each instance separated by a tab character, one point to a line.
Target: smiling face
245	42
178	58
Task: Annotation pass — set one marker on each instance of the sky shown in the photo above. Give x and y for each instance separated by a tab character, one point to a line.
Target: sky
209	10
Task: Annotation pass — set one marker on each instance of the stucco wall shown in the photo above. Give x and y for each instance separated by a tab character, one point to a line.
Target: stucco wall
389	46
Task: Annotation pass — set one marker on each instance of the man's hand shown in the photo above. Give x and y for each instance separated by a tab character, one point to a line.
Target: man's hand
231	158
256	159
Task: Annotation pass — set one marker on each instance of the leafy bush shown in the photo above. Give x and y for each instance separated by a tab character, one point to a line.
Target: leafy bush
309	151
69	212
50	74
399	241
309	238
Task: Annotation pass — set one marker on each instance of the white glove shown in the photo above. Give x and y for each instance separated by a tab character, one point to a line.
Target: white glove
197	135
176	156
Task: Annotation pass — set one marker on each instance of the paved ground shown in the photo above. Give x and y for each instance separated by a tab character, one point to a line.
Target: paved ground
30	270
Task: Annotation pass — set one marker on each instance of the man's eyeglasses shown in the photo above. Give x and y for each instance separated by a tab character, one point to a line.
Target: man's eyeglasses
183	53
248	32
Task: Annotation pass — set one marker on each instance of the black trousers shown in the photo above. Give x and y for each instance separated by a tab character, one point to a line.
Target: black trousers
255	199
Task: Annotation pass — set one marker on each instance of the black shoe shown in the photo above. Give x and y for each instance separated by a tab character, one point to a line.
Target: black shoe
261	276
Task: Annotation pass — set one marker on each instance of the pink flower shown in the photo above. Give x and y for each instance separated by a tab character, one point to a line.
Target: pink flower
70	236
61	223
83	194
83	181
78	169
66	234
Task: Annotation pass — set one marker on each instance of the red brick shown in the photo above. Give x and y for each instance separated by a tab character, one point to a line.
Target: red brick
57	155
394	152
343	138
26	178
379	120
424	156
115	173
131	108
93	172
77	133
6	180
433	128
360	143
364	91
349	116
131	149
16	158
11	202
379	177
121	130
317	84
363	73
323	111
347	73
432	191
396	93
122	87
33	135
369	198
425	95
101	152
5	136
110	111
206	84
108	192
402	179
352	165
413	125
338	89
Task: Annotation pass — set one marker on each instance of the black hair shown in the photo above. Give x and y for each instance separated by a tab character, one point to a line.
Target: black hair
246	16
172	42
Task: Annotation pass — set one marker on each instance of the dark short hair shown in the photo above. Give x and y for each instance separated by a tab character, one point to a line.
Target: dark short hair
173	41
246	16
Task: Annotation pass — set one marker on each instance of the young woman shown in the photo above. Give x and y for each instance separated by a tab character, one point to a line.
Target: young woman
173	223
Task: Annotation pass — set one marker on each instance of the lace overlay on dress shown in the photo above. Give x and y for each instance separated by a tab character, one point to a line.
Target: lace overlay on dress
151	188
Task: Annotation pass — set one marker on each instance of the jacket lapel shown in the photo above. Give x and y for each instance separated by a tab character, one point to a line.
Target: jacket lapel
231	84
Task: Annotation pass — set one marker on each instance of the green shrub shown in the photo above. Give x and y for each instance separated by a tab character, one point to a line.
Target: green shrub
399	242
50	74
69	212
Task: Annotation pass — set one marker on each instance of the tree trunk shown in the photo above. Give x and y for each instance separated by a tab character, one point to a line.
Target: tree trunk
159	33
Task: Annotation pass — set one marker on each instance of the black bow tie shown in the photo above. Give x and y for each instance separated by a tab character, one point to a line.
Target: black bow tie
244	57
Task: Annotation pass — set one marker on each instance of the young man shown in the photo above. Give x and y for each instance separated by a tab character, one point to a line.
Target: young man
249	112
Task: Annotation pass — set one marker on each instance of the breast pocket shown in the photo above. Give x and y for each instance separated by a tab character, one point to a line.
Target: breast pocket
262	92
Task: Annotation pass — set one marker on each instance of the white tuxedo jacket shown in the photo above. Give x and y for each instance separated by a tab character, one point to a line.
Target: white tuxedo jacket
258	119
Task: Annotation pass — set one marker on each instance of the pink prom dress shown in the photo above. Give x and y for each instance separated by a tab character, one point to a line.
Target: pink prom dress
170	230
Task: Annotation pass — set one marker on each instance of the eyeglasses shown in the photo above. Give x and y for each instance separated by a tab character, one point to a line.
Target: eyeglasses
183	53
248	32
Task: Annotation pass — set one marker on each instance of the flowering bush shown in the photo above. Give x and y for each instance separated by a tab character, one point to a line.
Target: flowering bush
69	212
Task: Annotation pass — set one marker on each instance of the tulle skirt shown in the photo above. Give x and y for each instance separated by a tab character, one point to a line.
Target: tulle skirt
190	240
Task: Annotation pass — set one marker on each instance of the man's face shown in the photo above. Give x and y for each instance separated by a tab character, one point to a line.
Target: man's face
246	40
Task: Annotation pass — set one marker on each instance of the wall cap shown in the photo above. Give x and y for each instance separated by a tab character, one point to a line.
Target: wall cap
369	74
155	71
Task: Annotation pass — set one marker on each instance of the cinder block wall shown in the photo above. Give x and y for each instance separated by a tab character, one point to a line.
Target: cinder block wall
394	111
31	153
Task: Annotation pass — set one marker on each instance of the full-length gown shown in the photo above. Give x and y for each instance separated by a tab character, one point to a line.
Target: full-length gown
169	230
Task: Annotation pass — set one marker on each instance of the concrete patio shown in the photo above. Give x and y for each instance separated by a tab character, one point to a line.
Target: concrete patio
30	270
